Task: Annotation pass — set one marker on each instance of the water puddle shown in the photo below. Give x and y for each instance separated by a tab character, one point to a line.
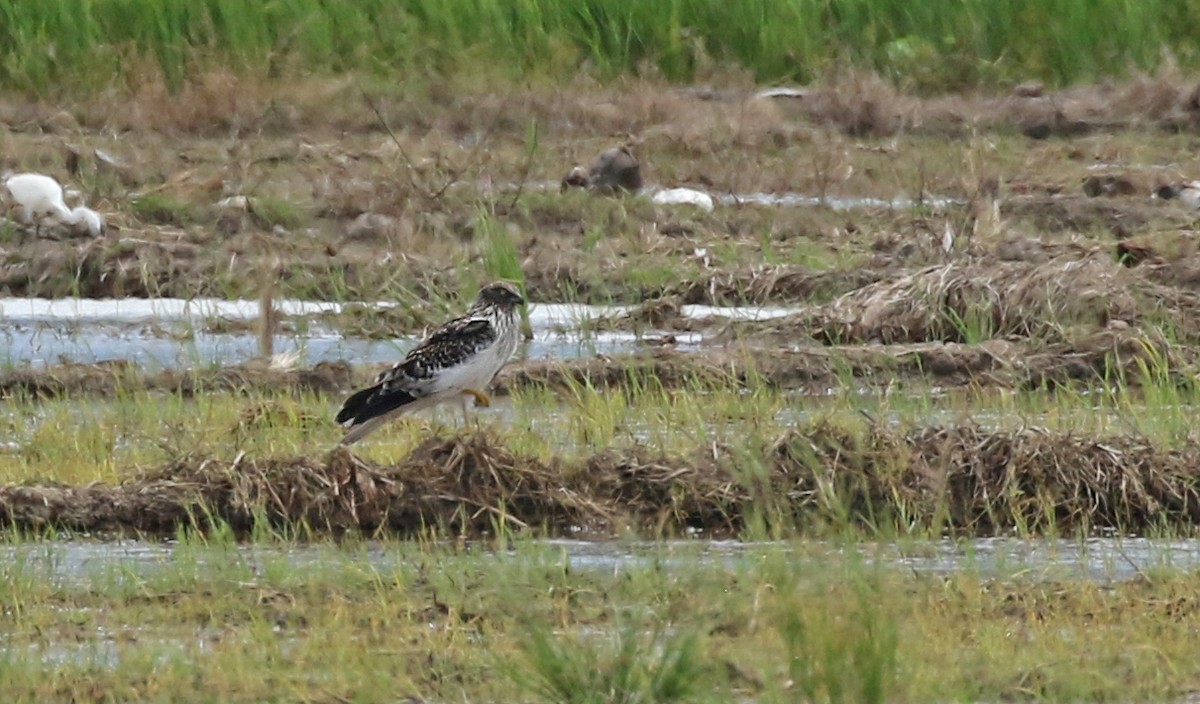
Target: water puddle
785	199
131	563
1098	559
839	203
173	333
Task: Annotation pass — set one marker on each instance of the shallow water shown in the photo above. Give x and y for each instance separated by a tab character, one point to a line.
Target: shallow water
171	333
80	564
801	200
787	199
1098	559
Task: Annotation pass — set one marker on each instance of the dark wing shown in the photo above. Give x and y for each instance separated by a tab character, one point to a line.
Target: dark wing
415	377
448	346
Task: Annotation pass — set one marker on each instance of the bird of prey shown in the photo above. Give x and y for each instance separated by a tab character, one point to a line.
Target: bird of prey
457	360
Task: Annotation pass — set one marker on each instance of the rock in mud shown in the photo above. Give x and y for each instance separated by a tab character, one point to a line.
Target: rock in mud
108	164
1108	185
1131	253
234	203
369	226
612	171
782	92
577	177
60	122
1030	89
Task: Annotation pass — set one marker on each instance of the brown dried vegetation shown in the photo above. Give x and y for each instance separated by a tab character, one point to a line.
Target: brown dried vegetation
989	298
353	191
966	480
1044	263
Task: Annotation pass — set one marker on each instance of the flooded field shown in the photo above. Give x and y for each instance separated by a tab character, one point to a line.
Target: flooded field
873	340
1100	560
828	395
121	619
164	333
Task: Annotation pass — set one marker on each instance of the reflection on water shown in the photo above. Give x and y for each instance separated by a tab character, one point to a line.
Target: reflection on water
162	333
45	345
1095	559
132	563
783	199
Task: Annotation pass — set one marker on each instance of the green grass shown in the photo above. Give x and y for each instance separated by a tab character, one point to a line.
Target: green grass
163	210
938	44
272	212
631	668
78	441
381	622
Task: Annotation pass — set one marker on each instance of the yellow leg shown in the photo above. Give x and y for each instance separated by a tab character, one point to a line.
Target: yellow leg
481	398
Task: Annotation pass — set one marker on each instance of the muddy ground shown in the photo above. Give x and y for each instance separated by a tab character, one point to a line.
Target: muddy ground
211	197
1110	355
1009	241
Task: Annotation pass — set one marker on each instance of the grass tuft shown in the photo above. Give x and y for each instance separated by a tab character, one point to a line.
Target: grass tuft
625	667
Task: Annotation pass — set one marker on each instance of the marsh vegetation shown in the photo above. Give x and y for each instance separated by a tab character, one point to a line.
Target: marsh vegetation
936	309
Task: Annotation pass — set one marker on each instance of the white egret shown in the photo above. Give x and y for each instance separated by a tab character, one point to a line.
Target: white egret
36	197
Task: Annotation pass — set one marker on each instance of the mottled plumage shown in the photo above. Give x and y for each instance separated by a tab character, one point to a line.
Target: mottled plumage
458	359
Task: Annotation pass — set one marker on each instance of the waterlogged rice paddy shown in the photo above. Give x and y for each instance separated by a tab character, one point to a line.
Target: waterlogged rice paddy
692	580
561	621
907	415
167	333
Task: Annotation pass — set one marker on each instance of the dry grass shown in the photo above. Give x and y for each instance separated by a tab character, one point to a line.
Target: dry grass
983	298
964	479
992	299
850	101
446	176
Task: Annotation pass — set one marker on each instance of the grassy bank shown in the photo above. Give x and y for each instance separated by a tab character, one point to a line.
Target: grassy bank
412	622
732	457
99	44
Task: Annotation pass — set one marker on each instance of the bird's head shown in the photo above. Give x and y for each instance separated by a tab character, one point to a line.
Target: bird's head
499	294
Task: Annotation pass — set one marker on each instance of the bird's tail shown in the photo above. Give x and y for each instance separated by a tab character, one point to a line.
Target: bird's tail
371	407
361	430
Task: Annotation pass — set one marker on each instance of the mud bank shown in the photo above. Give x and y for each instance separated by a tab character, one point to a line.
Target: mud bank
109	378
961	480
1112	355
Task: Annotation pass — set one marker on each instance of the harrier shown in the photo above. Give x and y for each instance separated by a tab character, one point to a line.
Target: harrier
457	360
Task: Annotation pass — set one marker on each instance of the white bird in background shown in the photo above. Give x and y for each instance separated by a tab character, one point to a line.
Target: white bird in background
36	198
684	196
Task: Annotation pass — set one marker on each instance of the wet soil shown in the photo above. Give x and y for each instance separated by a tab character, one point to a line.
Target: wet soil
1082	362
109	378
982	241
963	480
329	204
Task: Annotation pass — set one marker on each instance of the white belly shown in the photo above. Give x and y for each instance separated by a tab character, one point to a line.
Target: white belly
475	375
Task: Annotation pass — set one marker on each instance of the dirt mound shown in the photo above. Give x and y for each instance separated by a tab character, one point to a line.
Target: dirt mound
863	104
966	480
763	284
986	482
108	378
